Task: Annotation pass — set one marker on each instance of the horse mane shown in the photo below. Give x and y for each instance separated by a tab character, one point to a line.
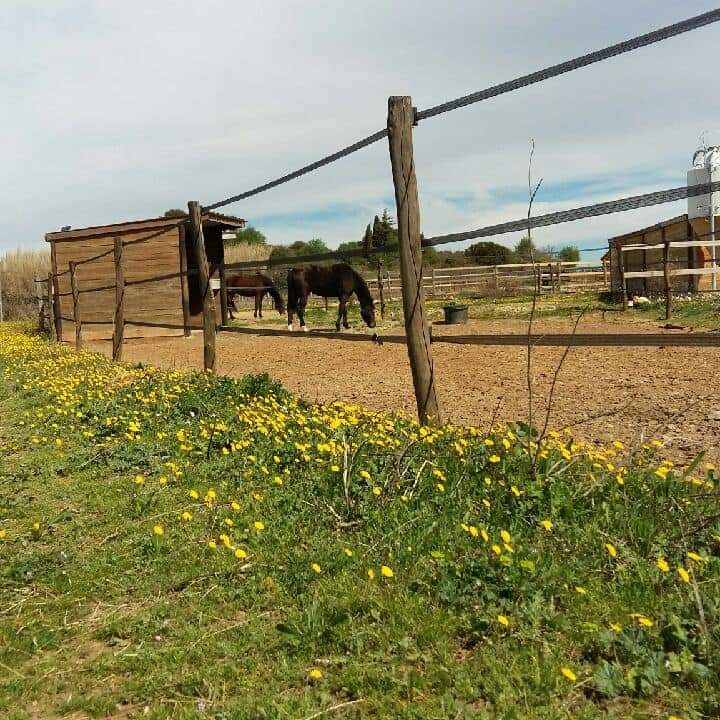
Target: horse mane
361	289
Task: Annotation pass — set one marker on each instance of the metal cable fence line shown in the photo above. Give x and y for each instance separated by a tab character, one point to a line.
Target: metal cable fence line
635	43
344	152
633	202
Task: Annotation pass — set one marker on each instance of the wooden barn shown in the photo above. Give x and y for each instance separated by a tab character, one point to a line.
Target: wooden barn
682	259
151	248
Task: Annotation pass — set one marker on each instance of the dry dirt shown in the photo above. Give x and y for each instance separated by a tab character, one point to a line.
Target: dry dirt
604	393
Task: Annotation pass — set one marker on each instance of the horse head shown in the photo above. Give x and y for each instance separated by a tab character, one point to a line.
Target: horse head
367	312
279	304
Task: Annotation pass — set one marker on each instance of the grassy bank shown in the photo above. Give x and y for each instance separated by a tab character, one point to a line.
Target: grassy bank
178	545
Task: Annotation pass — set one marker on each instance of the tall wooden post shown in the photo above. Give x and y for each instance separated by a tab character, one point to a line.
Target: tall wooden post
666	269
559	276
51	306
621	268
57	305
208	303
224	315
119	328
40	303
184	281
76	304
400	121
381	290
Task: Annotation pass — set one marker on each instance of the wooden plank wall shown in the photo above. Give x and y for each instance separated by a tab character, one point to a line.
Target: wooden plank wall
159	302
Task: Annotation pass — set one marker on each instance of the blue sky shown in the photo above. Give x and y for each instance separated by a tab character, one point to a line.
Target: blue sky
114	111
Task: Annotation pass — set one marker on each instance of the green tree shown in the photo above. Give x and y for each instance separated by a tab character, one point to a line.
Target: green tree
490	253
367	241
525	249
174	213
570	253
249	236
300	247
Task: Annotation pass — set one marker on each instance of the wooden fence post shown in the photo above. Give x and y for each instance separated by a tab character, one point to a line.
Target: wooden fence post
41	304
56	291
76	304
184	281
381	290
51	306
666	268
119	329
225	318
621	268
401	116
559	276
208	303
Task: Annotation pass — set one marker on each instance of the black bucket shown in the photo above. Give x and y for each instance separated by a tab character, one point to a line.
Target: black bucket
455	314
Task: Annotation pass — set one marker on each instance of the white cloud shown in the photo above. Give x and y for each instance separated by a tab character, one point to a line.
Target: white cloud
121	110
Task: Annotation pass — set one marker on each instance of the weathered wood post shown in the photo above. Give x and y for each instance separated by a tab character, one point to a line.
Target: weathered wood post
56	292
76	304
381	290
666	273
621	268
401	116
40	303
51	306
208	303
559	276
119	326
224	316
184	281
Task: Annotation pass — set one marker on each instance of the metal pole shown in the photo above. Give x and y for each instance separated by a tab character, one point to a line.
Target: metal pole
712	239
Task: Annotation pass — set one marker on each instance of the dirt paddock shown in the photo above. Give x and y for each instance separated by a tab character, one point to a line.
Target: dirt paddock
603	393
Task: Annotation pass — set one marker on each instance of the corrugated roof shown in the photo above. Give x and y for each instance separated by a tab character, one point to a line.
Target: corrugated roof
211	218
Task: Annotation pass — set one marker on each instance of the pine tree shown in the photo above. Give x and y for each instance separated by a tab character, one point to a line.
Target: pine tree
379	233
367	241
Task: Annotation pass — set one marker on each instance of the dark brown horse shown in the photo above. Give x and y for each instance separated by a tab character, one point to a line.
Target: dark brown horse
339	281
254	285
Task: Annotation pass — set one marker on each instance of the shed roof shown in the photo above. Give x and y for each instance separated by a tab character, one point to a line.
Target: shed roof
210	219
649	229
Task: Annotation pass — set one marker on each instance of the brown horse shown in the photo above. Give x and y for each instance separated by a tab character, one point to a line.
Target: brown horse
254	285
339	281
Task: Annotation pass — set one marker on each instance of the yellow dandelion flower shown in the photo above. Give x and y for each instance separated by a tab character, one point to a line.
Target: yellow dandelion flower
348	552
694	556
316	568
365	474
503	620
662	565
387	572
315	674
645	621
547	524
139	480
258	525
212	545
473	531
580	590
616	627
377	491
684	574
612	550
371	574
486	502
3	534
240	554
194	494
569	674
505	535
158	530
235	505
186	516
335	468
440	488
494	459
497	549
484	534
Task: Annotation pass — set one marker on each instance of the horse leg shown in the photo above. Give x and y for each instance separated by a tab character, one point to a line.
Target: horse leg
302	302
341	309
262	295
346	325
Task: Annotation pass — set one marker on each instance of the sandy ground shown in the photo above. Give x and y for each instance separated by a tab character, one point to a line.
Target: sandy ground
604	393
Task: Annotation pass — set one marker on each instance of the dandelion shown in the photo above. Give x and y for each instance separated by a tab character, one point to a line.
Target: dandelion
365	474
580	590
387	572
139	480
335	468
497	549
612	550
645	621
486	502
694	557
235	505
315	674
348	552
371	574
158	530
440	488
3	534
547	524
484	534
229	522
569	674
186	516
316	568
684	574
259	525
662	565
377	491
616	627
494	459
278	480
194	494
240	554
473	531
503	620
505	535
212	545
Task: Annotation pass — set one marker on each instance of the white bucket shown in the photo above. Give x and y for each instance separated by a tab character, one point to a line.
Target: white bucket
214	283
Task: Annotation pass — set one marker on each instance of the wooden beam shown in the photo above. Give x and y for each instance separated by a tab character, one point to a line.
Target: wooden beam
52	313
184	280
208	303
666	269
400	121
224	315
119	329
74	287
57	305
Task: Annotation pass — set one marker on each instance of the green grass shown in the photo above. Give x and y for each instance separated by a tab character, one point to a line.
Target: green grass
698	311
101	616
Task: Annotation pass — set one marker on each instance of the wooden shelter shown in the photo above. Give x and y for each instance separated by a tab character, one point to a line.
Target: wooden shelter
152	248
680	229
